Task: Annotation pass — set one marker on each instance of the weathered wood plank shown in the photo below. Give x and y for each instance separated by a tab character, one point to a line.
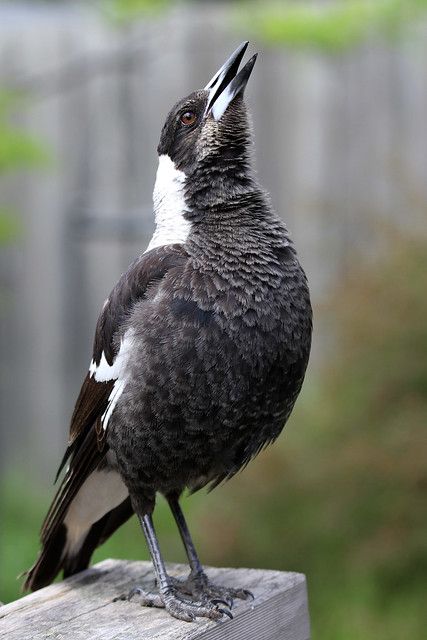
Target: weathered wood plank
82	607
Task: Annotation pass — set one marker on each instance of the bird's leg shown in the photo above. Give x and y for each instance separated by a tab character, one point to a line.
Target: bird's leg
197	584
169	597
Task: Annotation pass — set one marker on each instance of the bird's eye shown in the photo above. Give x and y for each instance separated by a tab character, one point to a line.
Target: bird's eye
188	118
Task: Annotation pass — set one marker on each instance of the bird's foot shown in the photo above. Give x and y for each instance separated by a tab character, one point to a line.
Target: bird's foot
199	587
178	605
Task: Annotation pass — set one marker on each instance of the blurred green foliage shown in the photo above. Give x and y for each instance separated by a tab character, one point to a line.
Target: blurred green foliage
123	12
341	496
10	227
18	151
328	26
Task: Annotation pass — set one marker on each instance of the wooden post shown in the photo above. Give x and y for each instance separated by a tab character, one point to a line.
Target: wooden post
83	608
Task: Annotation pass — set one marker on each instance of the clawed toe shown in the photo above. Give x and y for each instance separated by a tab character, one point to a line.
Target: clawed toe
145	598
199	587
178	604
189	610
227	603
226	612
225	595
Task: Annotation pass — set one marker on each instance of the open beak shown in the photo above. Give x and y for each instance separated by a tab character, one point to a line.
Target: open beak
227	83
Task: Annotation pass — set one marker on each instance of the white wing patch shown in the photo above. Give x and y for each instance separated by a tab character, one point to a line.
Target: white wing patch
104	372
115	394
169	205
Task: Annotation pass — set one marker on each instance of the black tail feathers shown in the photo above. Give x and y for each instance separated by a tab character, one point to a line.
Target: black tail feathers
55	557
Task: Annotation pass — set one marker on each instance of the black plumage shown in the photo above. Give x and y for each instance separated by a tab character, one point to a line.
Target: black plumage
199	355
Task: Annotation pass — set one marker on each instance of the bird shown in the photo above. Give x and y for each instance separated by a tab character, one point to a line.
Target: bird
199	354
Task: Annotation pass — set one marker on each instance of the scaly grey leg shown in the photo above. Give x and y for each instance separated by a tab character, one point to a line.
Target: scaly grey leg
197	584
169	597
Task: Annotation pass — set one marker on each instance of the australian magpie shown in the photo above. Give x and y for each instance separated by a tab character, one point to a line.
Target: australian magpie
199	353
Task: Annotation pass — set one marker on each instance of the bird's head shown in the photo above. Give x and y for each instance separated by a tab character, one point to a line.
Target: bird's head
210	125
203	157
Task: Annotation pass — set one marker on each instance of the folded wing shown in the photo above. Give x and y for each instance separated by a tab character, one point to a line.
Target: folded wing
92	501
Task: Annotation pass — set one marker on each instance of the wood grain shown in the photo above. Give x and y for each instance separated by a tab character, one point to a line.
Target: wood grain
82	608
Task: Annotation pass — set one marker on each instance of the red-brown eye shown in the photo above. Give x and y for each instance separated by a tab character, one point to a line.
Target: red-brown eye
188	117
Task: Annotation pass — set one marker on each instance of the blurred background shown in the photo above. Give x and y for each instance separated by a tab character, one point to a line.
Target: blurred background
339	104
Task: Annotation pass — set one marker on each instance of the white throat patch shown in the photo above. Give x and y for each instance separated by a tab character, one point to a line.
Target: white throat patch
169	205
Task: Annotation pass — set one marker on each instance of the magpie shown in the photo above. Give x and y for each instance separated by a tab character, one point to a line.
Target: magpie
199	353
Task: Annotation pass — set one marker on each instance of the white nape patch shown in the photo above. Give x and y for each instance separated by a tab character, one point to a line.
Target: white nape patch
102	491
221	103
169	205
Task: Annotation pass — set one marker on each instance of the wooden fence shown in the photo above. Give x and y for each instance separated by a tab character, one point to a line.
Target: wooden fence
340	144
